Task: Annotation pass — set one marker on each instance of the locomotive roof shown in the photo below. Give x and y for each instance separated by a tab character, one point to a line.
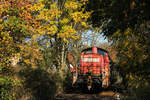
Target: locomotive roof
96	47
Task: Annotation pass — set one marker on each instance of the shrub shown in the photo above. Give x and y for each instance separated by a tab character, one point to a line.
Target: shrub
6	88
40	84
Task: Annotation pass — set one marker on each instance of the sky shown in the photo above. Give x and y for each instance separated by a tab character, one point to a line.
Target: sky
91	38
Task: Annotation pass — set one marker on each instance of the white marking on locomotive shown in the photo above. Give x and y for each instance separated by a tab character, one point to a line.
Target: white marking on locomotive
90	59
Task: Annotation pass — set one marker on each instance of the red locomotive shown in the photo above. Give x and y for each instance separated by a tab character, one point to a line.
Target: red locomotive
94	68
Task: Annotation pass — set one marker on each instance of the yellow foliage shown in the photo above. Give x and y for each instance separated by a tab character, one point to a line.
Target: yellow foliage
66	32
131	76
71	5
49	14
1	26
4	6
31	54
54	5
65	40
59	20
11	38
38	6
116	33
27	61
77	16
126	44
52	29
84	23
80	17
41	31
64	21
1	20
128	31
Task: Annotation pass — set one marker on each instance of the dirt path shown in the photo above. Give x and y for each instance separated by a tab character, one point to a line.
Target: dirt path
105	95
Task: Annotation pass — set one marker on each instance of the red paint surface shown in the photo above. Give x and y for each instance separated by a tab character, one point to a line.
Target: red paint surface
93	62
94	50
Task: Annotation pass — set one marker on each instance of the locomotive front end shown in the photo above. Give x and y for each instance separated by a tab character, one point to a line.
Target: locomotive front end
94	68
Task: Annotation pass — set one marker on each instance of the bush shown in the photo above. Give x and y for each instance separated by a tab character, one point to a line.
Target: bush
67	83
6	88
40	84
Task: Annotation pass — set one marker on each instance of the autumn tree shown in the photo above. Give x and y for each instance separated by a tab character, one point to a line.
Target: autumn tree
23	25
16	26
61	23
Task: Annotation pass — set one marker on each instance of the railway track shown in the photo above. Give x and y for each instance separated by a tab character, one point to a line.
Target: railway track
105	95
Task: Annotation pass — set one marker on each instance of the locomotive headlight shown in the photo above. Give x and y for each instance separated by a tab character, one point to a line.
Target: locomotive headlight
90	70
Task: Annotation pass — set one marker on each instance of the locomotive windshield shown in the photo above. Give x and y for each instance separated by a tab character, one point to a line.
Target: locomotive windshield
101	52
89	50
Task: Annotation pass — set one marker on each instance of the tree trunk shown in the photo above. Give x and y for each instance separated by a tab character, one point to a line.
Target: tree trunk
61	68
62	56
